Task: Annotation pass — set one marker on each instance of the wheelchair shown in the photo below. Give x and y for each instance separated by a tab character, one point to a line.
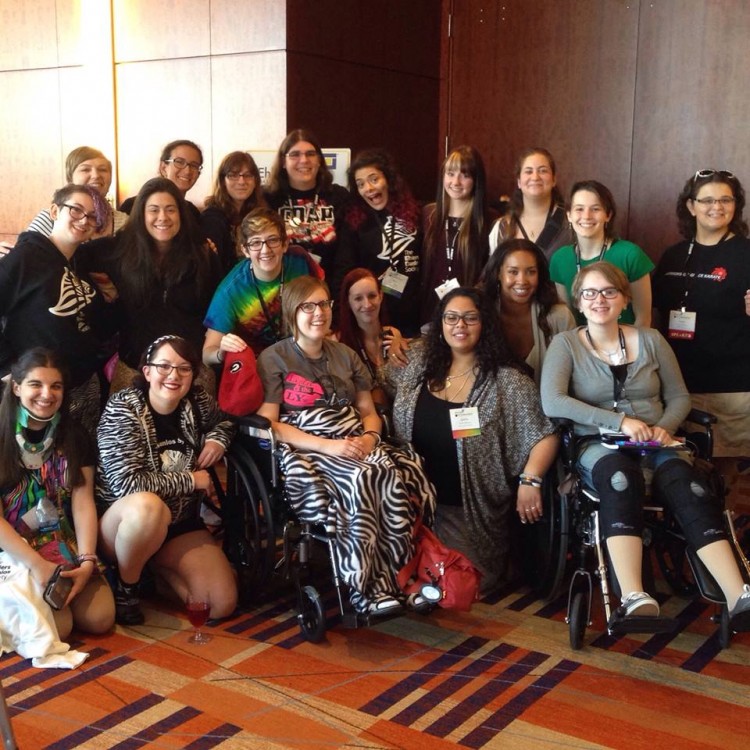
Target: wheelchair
263	539
566	545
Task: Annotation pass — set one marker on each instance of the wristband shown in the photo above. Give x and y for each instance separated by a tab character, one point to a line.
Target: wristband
87	558
378	439
219	355
530	480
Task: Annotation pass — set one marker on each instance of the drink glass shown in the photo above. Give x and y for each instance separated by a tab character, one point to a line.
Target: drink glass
198	610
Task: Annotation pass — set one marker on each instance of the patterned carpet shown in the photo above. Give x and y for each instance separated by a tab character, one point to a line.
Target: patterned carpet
502	676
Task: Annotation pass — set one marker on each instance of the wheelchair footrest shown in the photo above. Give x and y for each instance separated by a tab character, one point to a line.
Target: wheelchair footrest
619	625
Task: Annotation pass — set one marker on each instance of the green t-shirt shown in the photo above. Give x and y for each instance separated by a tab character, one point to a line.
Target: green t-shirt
623	254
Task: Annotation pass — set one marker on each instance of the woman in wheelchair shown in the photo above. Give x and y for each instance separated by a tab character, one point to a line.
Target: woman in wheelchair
156	441
336	469
608	377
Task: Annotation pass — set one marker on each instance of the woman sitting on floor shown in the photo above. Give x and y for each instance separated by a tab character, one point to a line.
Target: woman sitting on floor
336	469
156	441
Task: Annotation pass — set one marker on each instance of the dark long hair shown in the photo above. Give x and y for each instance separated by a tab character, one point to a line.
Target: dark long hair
278	180
401	203
220	197
604	194
142	276
472	241
66	442
349	331
492	352
686	221
546	292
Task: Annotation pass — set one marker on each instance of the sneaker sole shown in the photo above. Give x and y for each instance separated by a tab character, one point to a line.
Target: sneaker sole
740	622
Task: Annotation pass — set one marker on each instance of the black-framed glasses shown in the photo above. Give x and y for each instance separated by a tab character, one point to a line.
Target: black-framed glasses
702	174
77	214
234	176
256	244
470	318
725	200
591	294
311	154
181	163
164	368
309	307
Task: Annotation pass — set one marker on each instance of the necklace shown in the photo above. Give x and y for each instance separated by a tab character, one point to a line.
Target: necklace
617	356
450	378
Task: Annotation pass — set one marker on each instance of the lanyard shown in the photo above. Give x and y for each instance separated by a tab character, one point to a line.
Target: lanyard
450	243
689	280
368	362
577	251
333	399
274	321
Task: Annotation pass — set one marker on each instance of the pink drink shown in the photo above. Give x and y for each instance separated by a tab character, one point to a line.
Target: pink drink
197	613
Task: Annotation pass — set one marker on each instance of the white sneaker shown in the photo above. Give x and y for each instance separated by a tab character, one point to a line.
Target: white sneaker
641	604
739	615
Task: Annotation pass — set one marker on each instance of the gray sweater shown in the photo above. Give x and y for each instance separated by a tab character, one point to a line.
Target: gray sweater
577	385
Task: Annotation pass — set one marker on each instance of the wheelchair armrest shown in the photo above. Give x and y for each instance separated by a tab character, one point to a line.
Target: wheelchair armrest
562	423
701	417
250	420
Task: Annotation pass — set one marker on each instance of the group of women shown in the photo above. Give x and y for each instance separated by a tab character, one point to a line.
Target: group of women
246	277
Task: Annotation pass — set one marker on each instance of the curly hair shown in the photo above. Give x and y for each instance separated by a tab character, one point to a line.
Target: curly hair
220	198
278	179
686	221
492	352
546	292
401	203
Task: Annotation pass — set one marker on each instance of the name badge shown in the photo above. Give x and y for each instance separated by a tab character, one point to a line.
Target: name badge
681	324
465	422
393	282
446	286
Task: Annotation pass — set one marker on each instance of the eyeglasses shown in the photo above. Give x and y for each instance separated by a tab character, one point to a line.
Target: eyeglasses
234	176
256	244
591	294
725	200
309	307
78	213
299	154
181	163
470	318
164	368
702	174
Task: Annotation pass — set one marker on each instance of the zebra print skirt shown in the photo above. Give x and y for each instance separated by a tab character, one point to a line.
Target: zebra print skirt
369	507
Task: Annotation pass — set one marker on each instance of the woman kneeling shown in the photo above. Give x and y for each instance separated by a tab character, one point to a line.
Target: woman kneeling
156	441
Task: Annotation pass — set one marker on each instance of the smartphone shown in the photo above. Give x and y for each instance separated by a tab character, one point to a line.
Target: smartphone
57	589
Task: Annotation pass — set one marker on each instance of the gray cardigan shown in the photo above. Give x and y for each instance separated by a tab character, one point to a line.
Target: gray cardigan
577	385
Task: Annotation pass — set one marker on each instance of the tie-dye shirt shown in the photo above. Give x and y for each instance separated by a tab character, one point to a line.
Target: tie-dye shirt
237	308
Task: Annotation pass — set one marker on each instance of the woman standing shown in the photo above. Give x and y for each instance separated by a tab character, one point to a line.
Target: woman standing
592	214
156	441
517	283
336	469
537	208
381	232
457	225
301	189
47	474
618	378
477	421
702	289
237	191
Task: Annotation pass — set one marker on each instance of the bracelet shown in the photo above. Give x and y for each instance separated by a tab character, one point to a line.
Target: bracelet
219	356
87	558
377	436
530	480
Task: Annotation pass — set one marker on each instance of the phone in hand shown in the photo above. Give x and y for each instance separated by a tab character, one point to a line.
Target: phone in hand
57	589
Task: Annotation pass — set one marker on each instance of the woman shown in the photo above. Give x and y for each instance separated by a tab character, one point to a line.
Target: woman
474	456
246	309
237	191
163	274
300	187
381	232
361	327
517	283
591	215
537	208
85	166
181	162
48	297
703	295
336	470
456	243
606	376
47	472
156	441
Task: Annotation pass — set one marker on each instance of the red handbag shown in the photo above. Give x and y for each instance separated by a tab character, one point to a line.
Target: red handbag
439	566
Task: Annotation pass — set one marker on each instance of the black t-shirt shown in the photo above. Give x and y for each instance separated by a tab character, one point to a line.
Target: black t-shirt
171	446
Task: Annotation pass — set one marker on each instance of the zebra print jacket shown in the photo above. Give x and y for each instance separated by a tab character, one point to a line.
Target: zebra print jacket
128	461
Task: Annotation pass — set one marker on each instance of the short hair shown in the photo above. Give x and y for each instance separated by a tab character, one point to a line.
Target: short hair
614	275
101	207
605	197
182	346
294	294
260	220
78	155
166	152
686	221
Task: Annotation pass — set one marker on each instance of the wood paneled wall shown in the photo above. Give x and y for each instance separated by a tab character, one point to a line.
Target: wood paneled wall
635	94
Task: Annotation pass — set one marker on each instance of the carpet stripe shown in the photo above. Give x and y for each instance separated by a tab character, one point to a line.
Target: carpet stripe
496	723
497	686
401	689
163	726
214	737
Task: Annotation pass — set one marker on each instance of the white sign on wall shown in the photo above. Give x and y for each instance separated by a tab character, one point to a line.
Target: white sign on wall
337	160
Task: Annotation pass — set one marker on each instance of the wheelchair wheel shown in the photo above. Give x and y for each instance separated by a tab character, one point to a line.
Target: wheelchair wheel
311	617
251	540
578	620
